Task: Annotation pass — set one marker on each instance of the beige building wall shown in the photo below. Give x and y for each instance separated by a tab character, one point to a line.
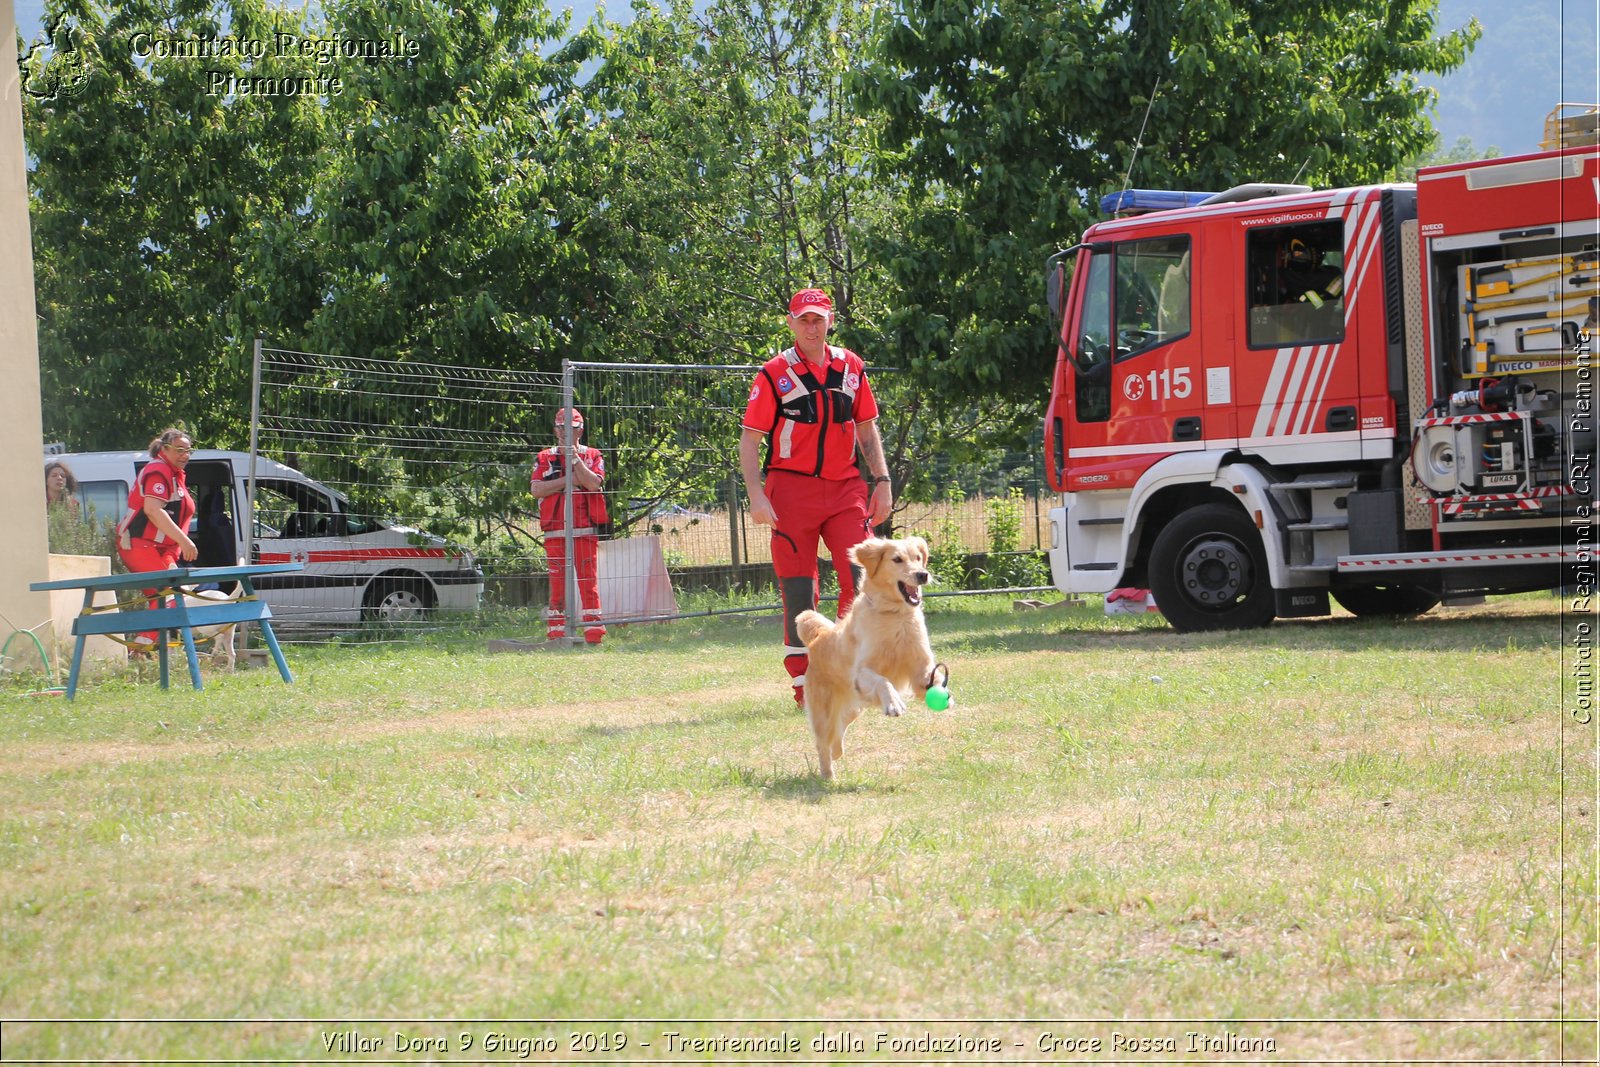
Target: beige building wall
21	421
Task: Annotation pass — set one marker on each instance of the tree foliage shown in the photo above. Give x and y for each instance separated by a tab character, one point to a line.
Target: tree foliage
517	191
147	198
439	213
729	172
411	213
1437	154
1007	119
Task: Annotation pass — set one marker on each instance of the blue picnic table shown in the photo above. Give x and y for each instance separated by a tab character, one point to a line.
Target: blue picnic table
178	616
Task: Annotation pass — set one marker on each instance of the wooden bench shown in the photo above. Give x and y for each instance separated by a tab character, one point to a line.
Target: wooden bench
178	616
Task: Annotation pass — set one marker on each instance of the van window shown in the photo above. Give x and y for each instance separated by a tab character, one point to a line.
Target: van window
353	523
1296	285
108	500
362	524
210	484
273	509
294	509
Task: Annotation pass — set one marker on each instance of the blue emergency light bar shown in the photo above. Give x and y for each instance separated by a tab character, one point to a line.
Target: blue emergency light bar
1138	201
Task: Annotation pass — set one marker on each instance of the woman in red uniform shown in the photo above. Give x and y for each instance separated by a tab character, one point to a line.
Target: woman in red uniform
154	535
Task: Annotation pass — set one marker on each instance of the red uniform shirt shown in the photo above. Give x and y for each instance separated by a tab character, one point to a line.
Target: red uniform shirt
588	506
166	483
810	423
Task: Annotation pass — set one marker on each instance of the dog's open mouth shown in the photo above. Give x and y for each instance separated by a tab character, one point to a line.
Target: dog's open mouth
911	593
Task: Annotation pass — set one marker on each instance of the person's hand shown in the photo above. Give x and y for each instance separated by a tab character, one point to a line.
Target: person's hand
882	502
188	550
761	512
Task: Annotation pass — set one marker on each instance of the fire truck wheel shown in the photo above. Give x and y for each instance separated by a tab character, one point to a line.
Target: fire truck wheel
1392	600
1209	571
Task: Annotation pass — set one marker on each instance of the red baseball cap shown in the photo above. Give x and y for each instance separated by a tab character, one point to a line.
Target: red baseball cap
576	420
811	302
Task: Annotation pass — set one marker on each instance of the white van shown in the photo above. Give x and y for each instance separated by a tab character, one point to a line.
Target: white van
355	566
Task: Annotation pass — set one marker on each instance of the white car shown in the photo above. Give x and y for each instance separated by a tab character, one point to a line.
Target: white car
354	566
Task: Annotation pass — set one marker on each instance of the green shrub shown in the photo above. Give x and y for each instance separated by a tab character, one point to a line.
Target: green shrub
947	552
88	535
1008	565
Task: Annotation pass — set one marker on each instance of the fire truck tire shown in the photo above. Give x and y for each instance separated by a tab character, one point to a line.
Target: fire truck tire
1396	601
1208	571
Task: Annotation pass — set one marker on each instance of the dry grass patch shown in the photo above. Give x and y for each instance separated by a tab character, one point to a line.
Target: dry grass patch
1314	822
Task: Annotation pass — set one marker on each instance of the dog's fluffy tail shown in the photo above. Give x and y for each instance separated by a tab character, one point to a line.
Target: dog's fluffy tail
811	626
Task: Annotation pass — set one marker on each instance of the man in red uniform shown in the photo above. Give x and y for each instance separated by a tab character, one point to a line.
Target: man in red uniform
813	405
547	484
154	534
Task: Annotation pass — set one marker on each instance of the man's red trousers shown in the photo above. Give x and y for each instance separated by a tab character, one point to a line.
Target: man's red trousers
585	560
810	510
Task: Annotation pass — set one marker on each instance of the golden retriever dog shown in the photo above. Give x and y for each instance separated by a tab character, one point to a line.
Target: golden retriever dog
879	651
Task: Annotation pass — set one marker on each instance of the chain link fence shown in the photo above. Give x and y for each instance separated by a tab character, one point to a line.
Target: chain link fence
440	457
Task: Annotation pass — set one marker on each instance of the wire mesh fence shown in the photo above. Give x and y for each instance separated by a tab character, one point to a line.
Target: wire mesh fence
415	509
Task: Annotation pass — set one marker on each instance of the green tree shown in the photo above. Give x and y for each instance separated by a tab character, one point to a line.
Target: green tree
1006	120
414	208
729	171
149	194
440	209
441	230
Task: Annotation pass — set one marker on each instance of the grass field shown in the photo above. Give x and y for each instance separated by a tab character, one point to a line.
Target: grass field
1333	839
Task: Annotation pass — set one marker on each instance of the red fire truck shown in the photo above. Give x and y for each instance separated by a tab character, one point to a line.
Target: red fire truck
1270	395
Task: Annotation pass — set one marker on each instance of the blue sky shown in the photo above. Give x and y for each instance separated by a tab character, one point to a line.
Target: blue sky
1499	98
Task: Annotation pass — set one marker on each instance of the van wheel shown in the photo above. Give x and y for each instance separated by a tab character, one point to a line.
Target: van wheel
397	600
1209	571
1395	601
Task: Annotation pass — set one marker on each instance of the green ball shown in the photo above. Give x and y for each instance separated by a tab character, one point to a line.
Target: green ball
938	698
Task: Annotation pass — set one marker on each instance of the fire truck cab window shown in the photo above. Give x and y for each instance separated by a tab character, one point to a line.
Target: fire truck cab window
1152	293
1296	285
1093	357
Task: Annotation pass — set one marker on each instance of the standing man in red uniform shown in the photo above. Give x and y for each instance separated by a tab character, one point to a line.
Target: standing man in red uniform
588	513
154	534
813	405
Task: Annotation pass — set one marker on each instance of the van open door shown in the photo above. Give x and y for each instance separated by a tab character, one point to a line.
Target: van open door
215	531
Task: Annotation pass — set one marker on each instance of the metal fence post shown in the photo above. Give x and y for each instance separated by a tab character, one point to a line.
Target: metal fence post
247	521
570	596
734	515
249	517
